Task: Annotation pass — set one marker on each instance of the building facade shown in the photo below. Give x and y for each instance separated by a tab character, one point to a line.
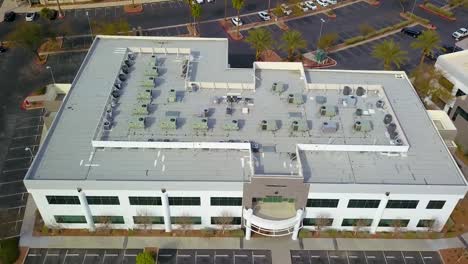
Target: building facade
160	133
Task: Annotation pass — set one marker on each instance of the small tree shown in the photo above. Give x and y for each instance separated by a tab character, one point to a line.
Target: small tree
145	258
390	53
320	222
185	223
292	41
260	39
224	221
427	42
105	223
29	36
366	29
397	227
426	80
327	40
359	225
144	222
196	12
238	5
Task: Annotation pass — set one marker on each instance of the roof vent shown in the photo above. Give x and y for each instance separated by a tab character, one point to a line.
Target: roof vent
115	94
328	110
268	125
363	126
296	99
299	125
231	125
347	90
321	99
360	91
359	112
398	142
206	112
107	125
278	87
329	127
387	119
379	104
109	114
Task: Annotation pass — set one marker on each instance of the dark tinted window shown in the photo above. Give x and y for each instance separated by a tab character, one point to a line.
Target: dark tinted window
62	199
363	203
184	201
226	201
144	200
435	204
402	204
322	202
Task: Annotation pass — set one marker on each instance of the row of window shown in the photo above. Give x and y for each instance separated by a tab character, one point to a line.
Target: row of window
146	220
357	203
144	200
396	223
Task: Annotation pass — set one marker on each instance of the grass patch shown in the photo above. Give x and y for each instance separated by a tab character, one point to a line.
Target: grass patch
9	250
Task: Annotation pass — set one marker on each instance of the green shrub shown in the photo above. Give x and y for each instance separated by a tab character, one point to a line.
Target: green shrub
46	13
417	18
237	233
354	40
366	29
331	232
277	11
145	258
44	230
439	10
304	233
9	251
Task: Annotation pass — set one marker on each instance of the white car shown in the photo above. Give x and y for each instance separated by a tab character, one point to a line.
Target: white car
264	15
286	10
332	2
322	3
210	1
236	21
198	1
310	5
460	33
30	17
302	7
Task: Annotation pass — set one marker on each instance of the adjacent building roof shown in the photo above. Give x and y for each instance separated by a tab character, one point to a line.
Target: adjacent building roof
455	68
171	110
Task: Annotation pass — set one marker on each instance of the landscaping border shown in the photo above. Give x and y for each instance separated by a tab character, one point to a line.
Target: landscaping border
434	12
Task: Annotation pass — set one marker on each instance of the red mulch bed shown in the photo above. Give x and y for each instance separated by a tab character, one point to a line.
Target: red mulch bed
133	9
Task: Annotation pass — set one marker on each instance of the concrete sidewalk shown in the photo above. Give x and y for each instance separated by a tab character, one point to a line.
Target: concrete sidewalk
280	247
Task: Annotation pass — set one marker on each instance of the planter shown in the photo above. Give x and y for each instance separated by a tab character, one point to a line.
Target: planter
133	9
423	7
331	16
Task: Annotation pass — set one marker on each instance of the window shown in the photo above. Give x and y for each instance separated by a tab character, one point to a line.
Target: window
144	200
363	203
62	199
226	201
394	222
186	220
70	219
155	220
184	201
435	204
322	203
221	220
103	200
356	222
102	219
318	221
402	204
428	223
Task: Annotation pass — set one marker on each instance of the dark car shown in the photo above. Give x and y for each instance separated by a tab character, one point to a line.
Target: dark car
450	49
2	49
9	16
411	32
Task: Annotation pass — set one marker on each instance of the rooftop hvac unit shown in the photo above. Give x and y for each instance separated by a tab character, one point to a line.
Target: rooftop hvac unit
296	99
231	125
115	94
393	135
141	110
172	97
200	124
329	127
398	142
139	123
391	128
379	104
122	77
125	69
359	112
350	101
107	125
388	118
109	114
145	95
299	125
347	90
268	125
113	103
168	123
360	91
117	86
229	111
321	99
278	87
193	87
328	110
129	63
131	56
362	126
206	112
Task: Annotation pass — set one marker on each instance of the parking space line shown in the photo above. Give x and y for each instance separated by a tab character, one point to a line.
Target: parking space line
424	262
21	169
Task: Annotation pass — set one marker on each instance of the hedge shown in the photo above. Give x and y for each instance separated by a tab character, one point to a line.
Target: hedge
377	33
9	251
439	10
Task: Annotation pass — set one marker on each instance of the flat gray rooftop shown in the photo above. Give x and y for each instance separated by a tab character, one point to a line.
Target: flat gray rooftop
68	147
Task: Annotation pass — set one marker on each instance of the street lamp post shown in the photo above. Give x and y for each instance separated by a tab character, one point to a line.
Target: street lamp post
414	5
321	27
30	152
89	24
51	73
269	6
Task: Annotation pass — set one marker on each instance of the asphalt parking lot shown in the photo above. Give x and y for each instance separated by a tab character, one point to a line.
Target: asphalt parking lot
165	256
82	256
13	195
364	257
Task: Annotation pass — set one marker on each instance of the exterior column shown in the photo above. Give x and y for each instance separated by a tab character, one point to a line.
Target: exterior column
86	210
166	210
379	213
297	226
248	217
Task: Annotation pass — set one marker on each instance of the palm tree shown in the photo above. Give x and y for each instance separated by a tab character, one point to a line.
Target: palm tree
190	3
428	41
426	80
292	41
260	39
390	53
238	5
195	11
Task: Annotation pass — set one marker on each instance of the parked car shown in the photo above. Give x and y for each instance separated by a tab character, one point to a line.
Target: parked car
460	33
236	21
332	2
310	5
286	10
264	15
411	32
302	6
210	1
9	16
199	1
2	49
450	49
322	3
30	16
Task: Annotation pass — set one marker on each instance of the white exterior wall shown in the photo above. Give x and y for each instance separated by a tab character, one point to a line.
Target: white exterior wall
206	211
